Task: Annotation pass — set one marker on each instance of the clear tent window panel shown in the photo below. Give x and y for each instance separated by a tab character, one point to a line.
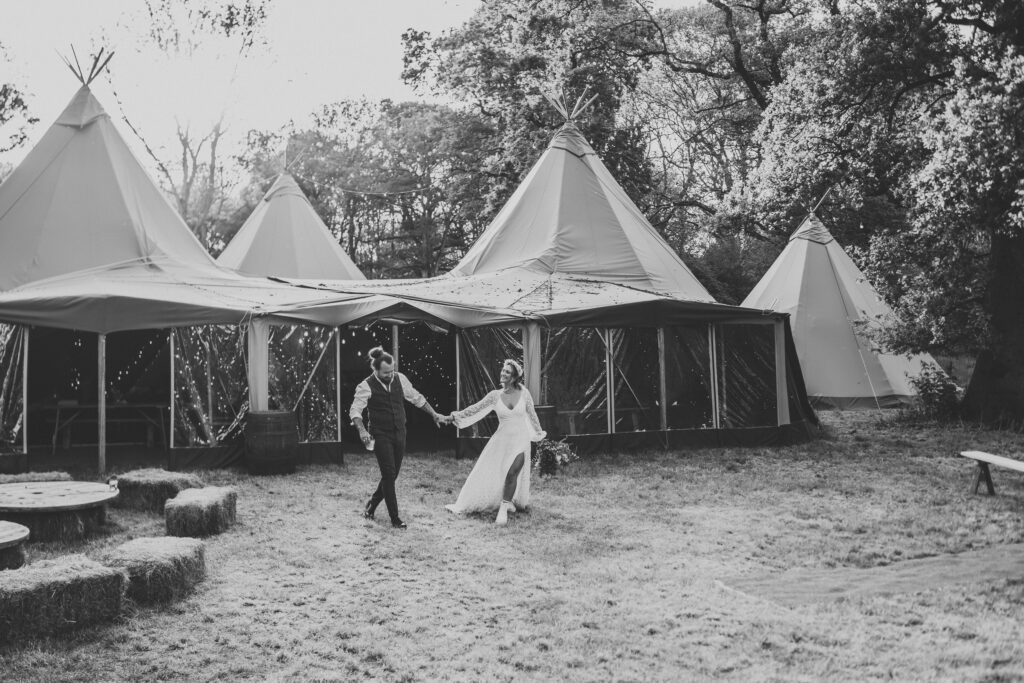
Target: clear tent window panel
637	382
12	339
426	355
746	376
211	387
303	378
688	378
574	379
481	354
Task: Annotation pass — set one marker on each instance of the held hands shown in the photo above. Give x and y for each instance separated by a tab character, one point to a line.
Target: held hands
440	419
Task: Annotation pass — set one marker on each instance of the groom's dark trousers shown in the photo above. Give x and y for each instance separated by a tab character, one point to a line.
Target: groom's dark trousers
389	449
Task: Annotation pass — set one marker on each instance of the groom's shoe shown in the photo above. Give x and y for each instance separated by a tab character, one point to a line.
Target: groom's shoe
398	524
369	509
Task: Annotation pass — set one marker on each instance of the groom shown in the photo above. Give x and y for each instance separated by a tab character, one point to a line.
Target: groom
381	395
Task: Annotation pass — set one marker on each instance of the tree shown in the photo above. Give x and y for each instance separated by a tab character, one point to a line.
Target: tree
911	113
511	53
14	116
199	33
395	183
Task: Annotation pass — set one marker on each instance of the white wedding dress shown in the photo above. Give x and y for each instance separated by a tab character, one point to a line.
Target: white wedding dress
517	427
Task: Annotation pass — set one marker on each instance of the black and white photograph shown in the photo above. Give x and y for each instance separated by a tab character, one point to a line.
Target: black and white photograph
511	340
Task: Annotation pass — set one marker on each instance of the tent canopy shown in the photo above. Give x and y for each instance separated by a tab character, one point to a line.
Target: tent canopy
832	308
569	216
285	237
81	200
514	296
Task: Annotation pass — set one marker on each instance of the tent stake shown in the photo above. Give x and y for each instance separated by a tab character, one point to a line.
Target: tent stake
102	382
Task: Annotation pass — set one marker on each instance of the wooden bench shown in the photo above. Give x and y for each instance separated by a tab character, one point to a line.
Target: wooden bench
984	460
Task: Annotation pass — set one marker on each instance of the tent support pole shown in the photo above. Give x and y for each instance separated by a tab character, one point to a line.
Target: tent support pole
102	419
173	370
458	376
394	342
209	392
24	390
713	353
531	360
337	377
781	395
662	384
259	364
609	367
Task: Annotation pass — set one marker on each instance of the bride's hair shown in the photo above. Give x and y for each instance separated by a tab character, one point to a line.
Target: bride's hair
516	370
378	355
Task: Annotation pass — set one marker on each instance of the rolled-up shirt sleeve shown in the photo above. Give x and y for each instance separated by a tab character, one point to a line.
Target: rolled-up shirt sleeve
411	395
362	395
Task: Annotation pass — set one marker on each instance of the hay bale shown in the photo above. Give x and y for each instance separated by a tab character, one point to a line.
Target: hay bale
149	489
53	596
160	570
201	512
34	476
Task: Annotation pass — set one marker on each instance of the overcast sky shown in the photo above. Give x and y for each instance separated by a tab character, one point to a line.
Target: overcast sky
316	52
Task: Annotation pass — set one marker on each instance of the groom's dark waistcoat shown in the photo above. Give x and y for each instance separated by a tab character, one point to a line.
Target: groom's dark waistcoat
386	408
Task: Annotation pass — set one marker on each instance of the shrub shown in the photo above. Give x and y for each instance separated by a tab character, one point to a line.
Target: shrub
937	393
550	456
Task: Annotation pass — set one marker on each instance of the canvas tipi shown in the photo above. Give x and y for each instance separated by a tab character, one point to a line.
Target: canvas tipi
570	217
81	200
831	305
284	237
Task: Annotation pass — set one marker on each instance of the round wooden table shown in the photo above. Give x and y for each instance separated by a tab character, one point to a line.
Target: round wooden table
56	510
12	538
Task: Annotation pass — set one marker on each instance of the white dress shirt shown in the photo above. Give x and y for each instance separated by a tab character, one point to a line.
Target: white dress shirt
362	394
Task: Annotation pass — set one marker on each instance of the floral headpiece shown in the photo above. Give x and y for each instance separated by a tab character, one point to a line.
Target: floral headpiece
516	366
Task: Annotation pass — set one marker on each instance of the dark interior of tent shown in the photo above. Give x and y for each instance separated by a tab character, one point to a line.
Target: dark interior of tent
719	388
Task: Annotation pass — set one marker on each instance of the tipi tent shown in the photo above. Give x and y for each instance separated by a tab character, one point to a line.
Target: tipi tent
570	217
81	200
284	237
830	303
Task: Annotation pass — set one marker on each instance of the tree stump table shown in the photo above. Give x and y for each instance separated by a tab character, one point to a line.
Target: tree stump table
56	510
12	549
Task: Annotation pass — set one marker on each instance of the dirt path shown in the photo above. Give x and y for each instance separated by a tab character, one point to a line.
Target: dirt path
801	587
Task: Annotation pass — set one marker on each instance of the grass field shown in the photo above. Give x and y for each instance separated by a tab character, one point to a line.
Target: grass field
615	574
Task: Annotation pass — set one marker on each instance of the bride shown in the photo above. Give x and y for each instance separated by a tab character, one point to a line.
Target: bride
501	475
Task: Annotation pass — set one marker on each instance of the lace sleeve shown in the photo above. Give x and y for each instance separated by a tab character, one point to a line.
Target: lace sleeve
536	433
476	412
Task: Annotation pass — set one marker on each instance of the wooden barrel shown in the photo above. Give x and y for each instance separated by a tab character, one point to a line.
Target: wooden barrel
271	442
548	418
